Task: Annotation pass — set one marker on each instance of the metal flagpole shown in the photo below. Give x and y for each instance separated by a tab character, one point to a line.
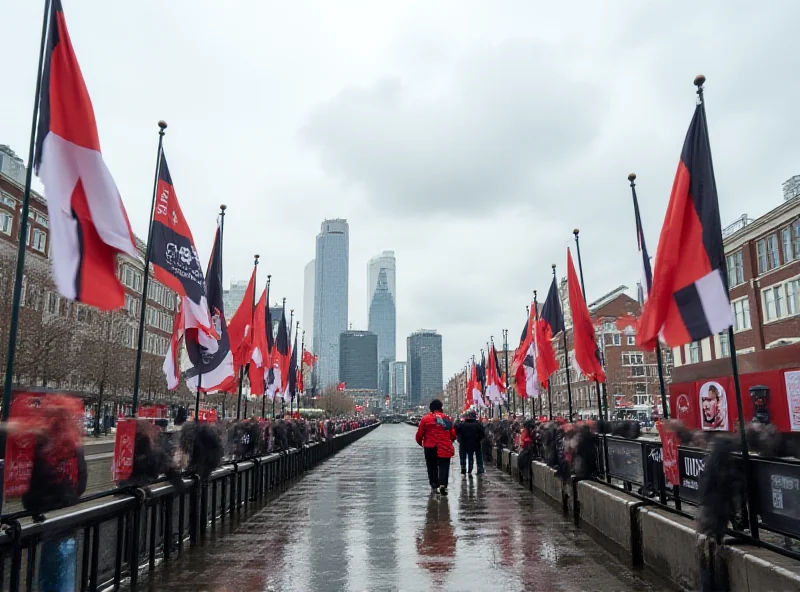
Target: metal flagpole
286	378
244	365
23	233
146	280
566	362
268	355
659	361
294	353
748	470
583	291
302	352
508	390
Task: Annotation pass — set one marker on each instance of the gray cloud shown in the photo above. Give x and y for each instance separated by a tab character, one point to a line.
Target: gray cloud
507	115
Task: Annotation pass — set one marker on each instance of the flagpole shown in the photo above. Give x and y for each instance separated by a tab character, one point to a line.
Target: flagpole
583	291
505	351
659	362
286	378
146	281
302	353
268	355
566	359
748	471
23	230
283	378
294	353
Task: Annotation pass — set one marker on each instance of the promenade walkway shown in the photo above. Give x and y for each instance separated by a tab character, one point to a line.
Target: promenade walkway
365	520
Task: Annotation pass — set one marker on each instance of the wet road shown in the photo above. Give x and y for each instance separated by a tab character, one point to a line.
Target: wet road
365	520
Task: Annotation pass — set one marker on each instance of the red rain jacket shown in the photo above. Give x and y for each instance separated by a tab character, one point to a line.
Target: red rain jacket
436	430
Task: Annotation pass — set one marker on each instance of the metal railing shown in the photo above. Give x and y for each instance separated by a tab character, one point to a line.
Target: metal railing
121	532
636	468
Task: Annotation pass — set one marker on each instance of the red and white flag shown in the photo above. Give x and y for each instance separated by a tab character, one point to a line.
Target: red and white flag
88	223
171	365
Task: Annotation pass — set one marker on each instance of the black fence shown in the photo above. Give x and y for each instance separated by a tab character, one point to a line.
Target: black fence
636	467
119	533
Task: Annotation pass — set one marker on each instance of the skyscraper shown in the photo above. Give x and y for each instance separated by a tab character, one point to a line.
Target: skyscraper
308	304
232	298
382	313
330	298
424	369
358	360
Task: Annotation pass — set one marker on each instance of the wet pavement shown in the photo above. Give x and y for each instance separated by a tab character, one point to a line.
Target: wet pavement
365	520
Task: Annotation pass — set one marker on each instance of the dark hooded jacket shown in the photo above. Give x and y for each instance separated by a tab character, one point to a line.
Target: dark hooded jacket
470	433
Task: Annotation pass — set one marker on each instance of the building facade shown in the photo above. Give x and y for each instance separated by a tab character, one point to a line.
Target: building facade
632	385
397	379
233	296
104	343
424	370
358	360
382	313
330	298
308	303
763	271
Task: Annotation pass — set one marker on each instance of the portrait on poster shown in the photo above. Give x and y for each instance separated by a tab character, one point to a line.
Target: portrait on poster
713	407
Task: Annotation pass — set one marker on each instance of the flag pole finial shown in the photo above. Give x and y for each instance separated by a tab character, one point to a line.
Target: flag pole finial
534	294
223	207
553	266
575	231
256	257
163	125
699	80
632	178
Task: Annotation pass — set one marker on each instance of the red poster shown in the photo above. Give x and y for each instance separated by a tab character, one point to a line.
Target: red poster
207	416
123	449
21	441
683	403
669	454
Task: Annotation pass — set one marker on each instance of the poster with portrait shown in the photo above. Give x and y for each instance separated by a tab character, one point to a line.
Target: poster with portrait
713	402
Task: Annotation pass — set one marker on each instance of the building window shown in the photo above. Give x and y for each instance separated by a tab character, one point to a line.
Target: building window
9	201
694	352
637	371
792	292
631	340
772	251
52	303
741	315
735	269
632	359
773	302
786	240
39	240
5	223
724	346
41	220
616	339
796	235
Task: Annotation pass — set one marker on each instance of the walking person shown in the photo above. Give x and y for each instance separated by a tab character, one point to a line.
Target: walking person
470	434
436	435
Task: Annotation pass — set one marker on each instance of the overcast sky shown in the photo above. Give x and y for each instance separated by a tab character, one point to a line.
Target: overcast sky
469	137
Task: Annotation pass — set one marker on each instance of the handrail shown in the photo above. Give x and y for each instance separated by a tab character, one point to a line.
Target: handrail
141	535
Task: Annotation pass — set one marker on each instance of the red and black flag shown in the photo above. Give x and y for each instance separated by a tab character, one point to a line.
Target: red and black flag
524	367
88	222
550	324
211	369
240	327
689	294
260	354
280	360
174	257
292	390
587	354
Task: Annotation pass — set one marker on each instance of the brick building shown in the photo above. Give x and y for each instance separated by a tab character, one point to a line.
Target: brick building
78	322
632	375
763	266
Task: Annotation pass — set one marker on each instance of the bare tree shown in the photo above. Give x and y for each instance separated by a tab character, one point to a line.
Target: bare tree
336	402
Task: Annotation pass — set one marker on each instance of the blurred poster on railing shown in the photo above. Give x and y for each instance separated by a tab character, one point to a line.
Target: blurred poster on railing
669	454
123	449
33	415
792	380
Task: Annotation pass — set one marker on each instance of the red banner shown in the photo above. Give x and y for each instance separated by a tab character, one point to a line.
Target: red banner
669	454
123	449
207	416
26	411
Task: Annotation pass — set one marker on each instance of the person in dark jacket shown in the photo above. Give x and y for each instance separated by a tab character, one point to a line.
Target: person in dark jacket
436	434
470	434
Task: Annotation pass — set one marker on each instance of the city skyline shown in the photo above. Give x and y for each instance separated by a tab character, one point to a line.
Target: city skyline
339	124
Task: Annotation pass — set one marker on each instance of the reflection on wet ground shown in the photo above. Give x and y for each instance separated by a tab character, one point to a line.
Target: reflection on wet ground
366	520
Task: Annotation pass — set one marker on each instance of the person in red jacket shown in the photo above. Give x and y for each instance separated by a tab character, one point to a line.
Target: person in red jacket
436	434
